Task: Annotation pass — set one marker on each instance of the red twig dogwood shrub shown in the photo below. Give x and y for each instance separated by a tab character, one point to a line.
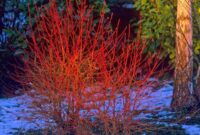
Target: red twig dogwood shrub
81	74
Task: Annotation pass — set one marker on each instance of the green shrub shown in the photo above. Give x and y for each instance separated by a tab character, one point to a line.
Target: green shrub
159	25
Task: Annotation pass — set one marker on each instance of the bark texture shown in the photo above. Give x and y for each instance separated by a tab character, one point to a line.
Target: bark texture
197	89
183	96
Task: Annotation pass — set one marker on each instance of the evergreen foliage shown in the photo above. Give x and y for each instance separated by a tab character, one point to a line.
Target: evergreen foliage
159	25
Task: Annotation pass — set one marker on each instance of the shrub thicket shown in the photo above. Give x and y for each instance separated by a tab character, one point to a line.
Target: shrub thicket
84	77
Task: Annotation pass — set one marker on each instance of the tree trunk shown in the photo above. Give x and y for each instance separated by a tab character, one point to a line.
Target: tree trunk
197	90
183	96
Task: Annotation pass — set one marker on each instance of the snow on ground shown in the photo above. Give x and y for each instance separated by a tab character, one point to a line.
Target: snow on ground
192	129
12	111
128	5
160	99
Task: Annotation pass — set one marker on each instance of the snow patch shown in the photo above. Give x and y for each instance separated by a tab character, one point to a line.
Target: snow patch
13	110
128	5
12	113
192	129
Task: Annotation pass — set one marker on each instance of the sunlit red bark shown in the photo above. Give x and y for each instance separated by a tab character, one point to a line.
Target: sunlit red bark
81	69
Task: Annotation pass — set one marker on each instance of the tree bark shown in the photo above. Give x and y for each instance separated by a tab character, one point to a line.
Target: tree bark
197	89
183	96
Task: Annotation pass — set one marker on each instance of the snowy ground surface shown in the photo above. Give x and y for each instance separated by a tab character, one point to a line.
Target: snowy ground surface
12	111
